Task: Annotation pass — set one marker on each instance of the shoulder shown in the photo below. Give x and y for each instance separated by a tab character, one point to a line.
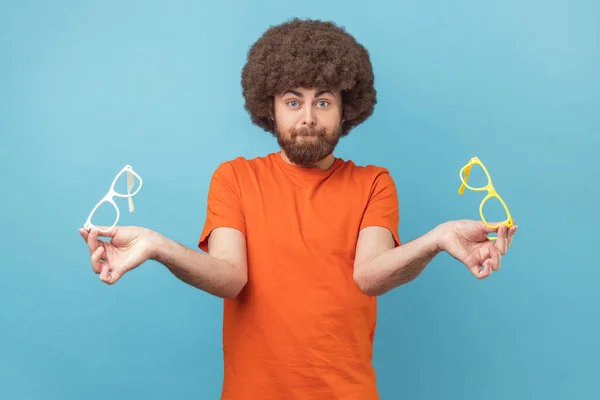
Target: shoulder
369	173
241	167
251	164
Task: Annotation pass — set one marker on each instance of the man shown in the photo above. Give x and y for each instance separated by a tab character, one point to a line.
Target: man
300	243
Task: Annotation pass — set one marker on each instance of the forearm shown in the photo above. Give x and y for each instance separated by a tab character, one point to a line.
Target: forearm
399	265
198	269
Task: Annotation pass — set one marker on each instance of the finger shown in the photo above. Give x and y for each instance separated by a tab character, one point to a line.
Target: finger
496	259
488	229
104	272
104	231
486	271
477	259
84	234
97	259
113	277
511	233
501	241
487	268
92	241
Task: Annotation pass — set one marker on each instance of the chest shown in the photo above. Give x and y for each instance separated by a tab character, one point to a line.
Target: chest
322	217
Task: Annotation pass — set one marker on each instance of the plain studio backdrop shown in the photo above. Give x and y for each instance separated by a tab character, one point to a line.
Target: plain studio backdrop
87	87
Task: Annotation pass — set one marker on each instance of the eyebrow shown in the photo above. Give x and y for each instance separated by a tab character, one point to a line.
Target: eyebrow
298	94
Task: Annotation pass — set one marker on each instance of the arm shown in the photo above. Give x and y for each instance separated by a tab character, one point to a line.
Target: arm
222	272
381	263
379	266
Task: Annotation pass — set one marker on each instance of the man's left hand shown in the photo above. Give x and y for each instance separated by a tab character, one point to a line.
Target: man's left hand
468	242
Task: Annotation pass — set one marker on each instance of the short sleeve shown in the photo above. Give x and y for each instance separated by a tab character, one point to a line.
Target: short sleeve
382	208
224	205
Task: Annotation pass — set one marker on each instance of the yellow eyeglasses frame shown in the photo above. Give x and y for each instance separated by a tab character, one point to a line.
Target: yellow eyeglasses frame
464	177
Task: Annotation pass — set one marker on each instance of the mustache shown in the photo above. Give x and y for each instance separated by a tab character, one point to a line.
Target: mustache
306	131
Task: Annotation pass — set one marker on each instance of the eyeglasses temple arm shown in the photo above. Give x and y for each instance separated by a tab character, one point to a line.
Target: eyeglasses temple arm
130	183
467	171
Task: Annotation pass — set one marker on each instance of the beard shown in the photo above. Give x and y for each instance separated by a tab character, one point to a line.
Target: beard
310	151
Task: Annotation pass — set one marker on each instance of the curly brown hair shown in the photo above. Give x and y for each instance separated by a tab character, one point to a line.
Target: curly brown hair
310	54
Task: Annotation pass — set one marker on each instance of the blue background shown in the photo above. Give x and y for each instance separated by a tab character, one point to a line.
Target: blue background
89	86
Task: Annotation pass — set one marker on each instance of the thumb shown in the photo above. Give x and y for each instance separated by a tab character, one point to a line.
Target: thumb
490	229
105	231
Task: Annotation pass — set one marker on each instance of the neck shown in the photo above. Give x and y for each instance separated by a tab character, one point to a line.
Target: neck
322	164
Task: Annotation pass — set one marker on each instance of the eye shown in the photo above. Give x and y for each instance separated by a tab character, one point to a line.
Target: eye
322	103
293	103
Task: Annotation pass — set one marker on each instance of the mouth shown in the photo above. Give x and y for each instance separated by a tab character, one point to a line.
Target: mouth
307	133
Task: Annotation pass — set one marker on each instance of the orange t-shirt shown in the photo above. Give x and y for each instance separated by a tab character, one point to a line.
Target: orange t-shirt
301	328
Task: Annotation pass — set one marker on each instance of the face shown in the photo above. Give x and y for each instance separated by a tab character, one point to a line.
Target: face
308	124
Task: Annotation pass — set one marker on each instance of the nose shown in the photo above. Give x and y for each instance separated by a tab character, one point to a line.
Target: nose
309	117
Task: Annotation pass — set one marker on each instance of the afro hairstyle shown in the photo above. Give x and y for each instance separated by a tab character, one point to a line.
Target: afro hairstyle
309	54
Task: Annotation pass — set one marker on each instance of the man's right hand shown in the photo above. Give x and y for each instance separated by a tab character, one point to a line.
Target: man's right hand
128	247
